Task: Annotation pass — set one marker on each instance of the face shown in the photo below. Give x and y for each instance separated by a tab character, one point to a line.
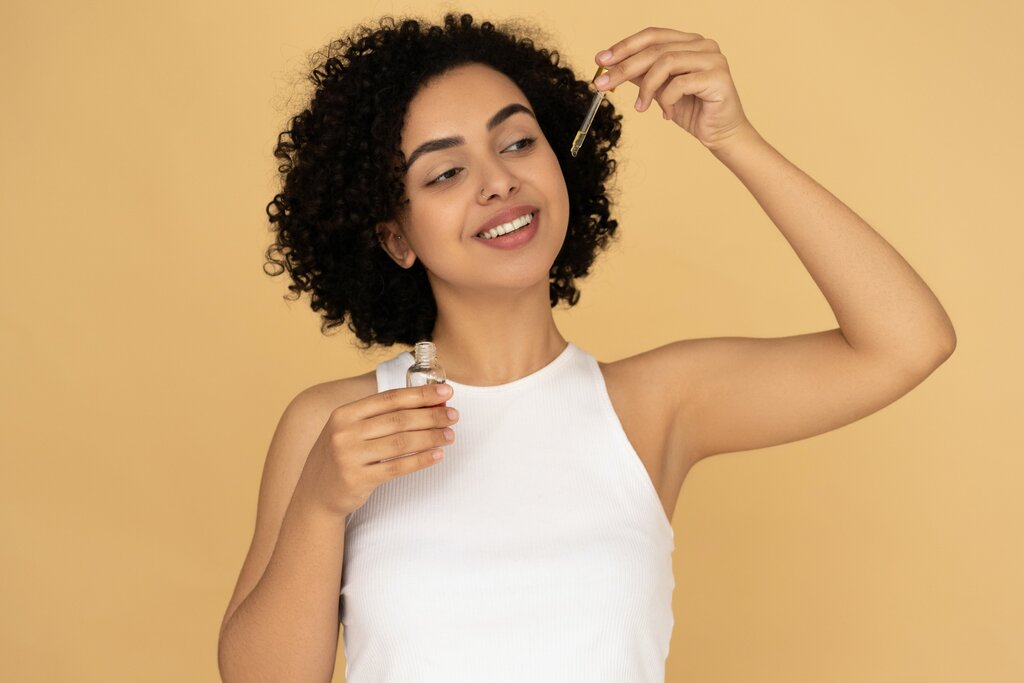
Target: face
495	162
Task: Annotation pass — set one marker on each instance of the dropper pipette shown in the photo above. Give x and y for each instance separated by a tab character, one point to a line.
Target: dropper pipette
577	141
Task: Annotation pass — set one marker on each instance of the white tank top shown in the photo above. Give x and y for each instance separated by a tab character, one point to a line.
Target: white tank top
536	550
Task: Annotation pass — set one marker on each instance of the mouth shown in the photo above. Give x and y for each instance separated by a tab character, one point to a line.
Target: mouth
520	232
509	228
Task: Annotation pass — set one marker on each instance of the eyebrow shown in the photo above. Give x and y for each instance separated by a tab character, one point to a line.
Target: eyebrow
454	141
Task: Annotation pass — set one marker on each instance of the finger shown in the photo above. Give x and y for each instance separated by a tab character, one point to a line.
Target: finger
670	65
405	443
436	417
665	104
643	39
631	69
391	469
397	399
635	67
680	86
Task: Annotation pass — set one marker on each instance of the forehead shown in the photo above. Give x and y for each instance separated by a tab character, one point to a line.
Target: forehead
458	102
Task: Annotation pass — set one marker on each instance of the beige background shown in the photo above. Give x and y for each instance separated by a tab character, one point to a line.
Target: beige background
147	357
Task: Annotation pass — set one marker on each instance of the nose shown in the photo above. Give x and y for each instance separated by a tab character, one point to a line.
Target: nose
498	180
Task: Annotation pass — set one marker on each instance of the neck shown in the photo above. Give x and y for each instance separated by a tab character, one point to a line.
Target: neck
489	340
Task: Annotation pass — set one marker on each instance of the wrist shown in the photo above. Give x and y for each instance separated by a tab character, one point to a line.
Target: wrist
743	136
308	511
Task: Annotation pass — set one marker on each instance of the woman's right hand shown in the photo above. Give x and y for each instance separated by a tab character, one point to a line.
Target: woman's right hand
376	439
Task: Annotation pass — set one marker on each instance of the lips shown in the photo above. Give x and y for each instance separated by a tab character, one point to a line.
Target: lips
504	216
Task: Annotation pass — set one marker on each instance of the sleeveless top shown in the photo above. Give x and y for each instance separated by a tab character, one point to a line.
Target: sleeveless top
536	550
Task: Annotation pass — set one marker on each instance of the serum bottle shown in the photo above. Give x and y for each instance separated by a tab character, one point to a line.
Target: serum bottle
425	369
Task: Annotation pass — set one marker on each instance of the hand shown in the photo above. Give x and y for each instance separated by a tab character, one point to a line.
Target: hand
373	440
686	75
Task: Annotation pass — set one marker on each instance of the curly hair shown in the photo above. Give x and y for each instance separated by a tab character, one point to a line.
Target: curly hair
343	171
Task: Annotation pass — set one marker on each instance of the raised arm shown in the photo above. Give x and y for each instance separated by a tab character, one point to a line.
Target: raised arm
735	393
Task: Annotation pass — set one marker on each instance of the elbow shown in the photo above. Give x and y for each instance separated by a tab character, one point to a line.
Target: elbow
948	344
947	339
943	350
925	358
939	338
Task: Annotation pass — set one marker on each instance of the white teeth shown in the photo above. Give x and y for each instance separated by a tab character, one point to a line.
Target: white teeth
507	227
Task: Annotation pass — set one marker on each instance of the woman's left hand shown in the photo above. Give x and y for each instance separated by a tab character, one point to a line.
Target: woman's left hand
686	75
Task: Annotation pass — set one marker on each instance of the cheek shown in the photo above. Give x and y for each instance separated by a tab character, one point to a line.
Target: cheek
436	225
547	172
558	190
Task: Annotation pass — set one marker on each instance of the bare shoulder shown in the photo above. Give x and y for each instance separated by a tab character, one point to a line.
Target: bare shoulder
662	379
326	396
662	368
308	412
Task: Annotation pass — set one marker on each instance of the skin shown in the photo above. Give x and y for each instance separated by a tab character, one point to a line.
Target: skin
494	320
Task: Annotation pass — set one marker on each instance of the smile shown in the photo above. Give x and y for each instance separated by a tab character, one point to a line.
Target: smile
506	228
519	232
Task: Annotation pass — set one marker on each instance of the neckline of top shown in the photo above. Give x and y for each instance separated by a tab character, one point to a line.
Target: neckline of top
534	376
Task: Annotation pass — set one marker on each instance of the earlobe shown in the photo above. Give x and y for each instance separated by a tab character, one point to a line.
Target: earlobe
395	245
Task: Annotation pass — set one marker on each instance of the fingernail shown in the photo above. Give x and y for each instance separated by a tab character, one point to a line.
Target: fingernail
639	101
452	413
604	56
444	390
449	434
602	80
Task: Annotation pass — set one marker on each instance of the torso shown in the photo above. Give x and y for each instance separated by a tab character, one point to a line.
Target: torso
649	429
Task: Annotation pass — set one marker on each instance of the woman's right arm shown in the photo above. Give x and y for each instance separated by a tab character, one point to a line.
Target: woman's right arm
282	621
323	464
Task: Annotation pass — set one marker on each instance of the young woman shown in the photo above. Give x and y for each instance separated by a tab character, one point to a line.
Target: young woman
539	547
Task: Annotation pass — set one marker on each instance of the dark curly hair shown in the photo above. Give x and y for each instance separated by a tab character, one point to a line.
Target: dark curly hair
343	171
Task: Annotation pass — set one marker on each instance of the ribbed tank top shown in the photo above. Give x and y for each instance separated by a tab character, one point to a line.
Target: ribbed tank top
536	550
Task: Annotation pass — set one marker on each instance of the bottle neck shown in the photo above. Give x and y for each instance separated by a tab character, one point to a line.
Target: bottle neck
425	353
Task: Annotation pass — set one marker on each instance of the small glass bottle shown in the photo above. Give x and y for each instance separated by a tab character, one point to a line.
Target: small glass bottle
425	369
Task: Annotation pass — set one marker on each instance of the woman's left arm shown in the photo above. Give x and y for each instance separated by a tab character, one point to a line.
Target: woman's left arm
750	393
882	305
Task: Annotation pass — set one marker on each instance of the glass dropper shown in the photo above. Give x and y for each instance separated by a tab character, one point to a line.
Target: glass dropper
577	141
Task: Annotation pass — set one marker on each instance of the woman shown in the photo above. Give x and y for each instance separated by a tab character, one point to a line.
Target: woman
539	548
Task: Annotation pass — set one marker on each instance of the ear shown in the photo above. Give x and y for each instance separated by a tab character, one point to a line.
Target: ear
395	244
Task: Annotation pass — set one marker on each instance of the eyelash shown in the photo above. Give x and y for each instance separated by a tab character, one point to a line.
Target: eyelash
438	180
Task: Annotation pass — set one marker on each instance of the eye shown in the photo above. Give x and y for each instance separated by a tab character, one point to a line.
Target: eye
443	177
529	143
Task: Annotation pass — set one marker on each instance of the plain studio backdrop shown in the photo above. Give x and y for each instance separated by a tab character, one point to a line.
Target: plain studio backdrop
147	357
